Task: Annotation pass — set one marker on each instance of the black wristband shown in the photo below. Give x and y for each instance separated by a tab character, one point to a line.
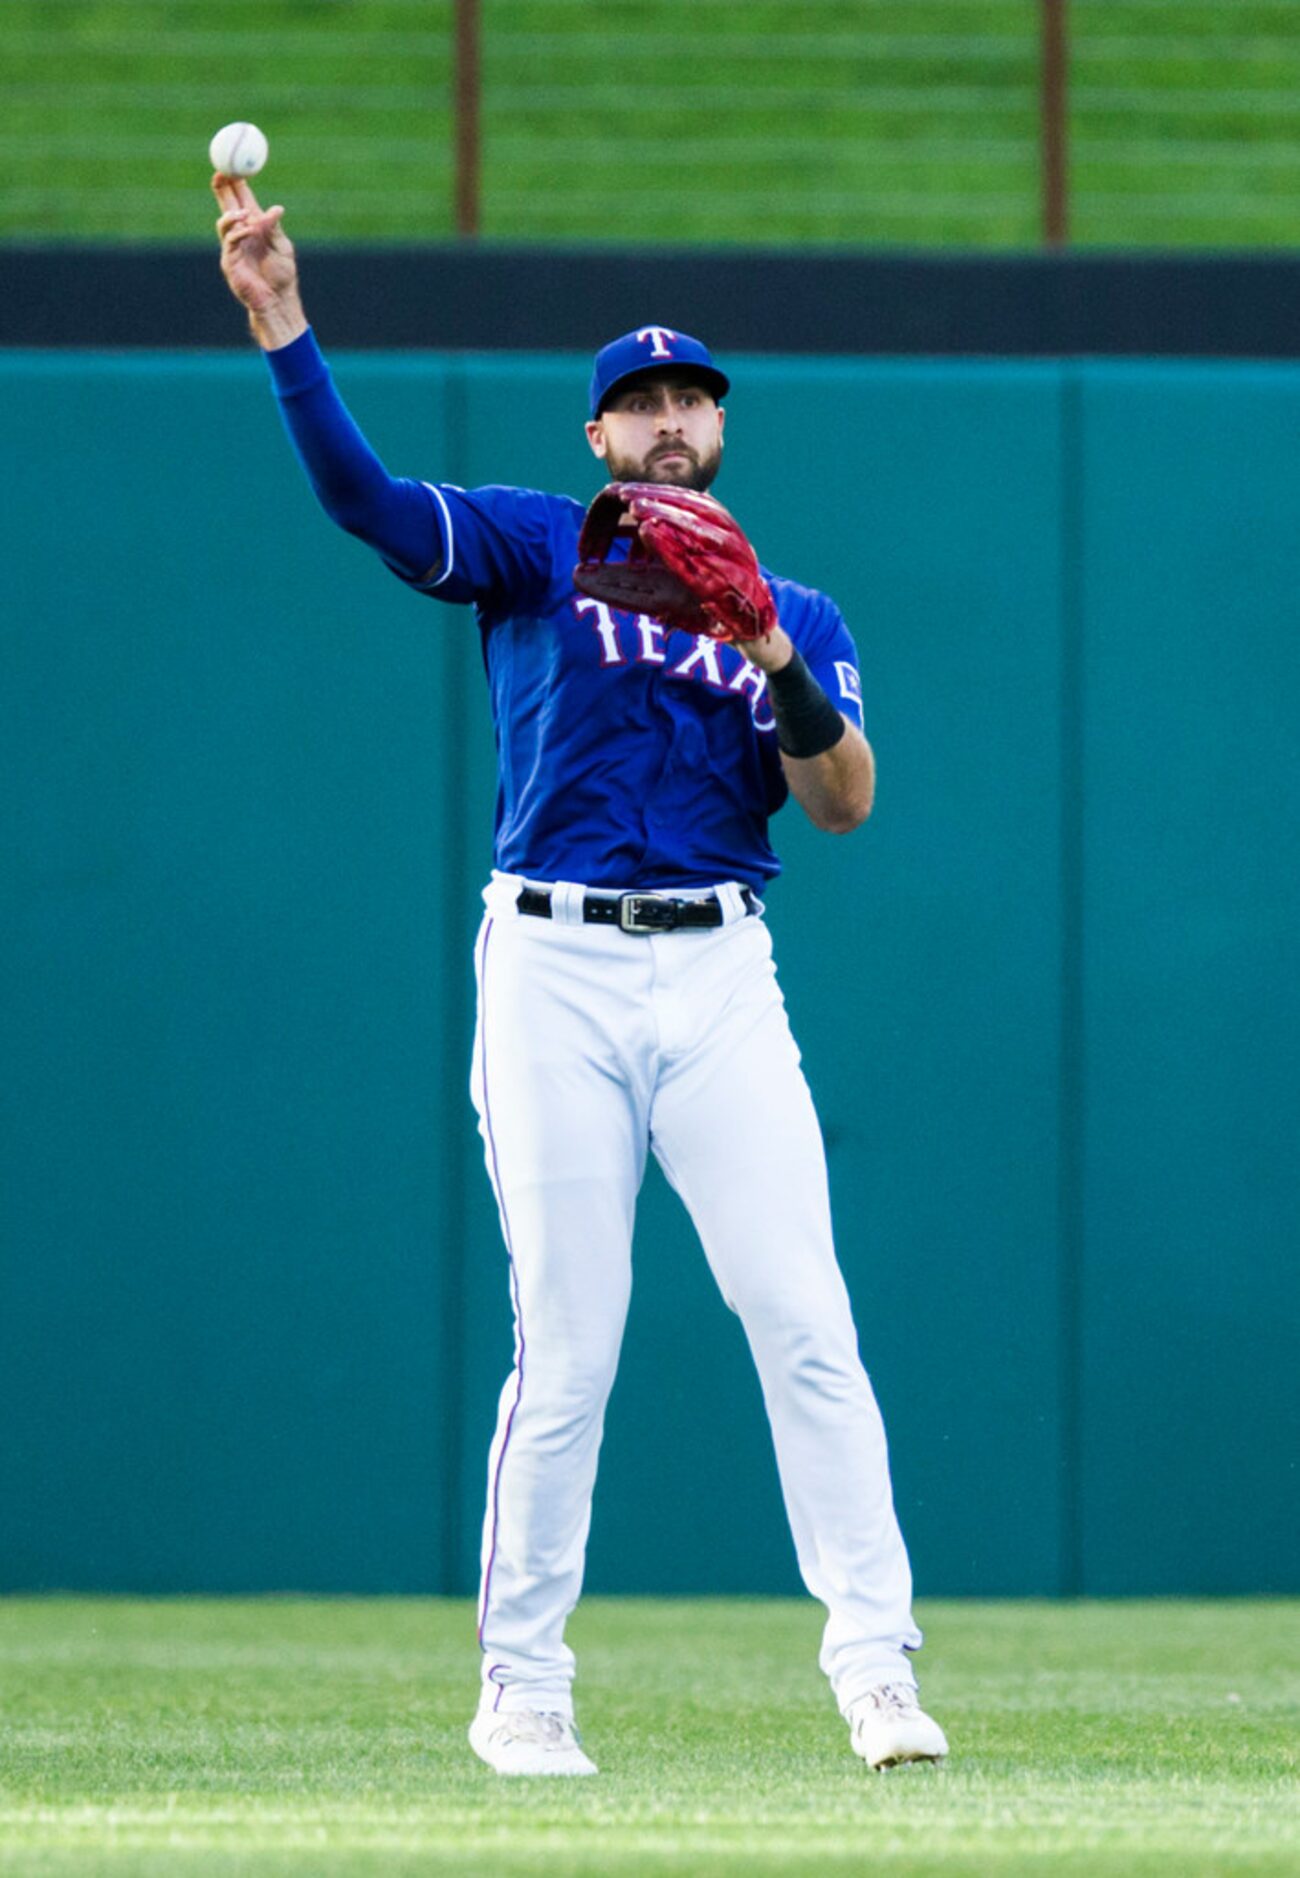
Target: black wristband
807	723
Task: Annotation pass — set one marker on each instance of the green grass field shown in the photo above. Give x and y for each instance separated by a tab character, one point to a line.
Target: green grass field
837	121
288	1736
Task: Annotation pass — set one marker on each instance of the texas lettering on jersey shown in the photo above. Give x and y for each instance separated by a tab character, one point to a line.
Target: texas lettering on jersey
624	636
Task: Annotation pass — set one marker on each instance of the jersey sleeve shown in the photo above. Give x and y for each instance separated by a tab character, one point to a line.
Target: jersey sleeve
498	547
819	631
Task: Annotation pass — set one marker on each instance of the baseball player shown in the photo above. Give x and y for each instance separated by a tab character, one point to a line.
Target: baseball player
656	698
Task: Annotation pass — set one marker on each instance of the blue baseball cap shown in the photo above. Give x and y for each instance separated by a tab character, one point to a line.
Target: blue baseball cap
647	349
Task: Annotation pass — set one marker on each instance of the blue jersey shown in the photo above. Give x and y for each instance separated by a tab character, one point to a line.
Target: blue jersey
630	755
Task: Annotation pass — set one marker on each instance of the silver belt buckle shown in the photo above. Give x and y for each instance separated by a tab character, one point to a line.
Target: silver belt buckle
629	905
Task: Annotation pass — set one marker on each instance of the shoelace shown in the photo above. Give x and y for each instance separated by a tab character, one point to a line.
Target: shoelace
892	1697
545	1729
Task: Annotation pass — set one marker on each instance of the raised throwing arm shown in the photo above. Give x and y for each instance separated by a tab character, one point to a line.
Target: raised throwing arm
393	515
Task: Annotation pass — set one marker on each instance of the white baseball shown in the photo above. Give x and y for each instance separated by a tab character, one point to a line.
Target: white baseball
238	150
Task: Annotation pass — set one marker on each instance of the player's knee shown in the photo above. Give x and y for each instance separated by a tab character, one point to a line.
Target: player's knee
814	1361
564	1393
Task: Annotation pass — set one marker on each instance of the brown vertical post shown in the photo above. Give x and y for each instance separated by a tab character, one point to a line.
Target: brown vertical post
467	116
1055	64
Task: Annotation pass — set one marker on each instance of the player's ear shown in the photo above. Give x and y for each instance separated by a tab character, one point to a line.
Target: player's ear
596	438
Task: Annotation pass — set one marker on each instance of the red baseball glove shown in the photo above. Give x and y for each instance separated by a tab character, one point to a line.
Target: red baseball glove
689	564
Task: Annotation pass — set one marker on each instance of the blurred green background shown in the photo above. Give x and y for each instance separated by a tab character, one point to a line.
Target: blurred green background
842	121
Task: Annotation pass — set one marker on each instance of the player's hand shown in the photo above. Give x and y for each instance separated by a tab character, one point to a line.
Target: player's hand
258	260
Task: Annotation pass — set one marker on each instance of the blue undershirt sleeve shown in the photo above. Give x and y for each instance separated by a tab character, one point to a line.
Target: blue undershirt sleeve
394	515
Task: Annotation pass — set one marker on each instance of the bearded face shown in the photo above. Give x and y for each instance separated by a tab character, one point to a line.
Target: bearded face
664	428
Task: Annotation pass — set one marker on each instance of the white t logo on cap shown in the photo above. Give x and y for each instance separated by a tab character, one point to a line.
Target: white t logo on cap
658	334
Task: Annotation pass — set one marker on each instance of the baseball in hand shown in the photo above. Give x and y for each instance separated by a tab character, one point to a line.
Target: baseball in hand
238	150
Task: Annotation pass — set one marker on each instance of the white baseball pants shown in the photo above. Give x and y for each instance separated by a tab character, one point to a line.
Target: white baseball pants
592	1045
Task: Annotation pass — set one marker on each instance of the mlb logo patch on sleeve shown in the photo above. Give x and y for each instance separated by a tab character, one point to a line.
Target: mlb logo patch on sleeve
850	683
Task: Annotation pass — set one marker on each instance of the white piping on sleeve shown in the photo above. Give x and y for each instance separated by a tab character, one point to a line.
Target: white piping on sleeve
449	538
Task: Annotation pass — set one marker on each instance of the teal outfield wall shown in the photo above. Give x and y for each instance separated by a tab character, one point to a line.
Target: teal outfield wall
253	1312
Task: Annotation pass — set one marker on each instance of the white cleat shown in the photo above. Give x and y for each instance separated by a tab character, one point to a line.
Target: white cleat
525	1741
888	1725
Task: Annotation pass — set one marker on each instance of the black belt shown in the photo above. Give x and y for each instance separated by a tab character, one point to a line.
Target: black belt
638	912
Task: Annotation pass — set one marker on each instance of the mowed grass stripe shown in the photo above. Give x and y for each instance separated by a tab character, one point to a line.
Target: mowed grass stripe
327	1735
